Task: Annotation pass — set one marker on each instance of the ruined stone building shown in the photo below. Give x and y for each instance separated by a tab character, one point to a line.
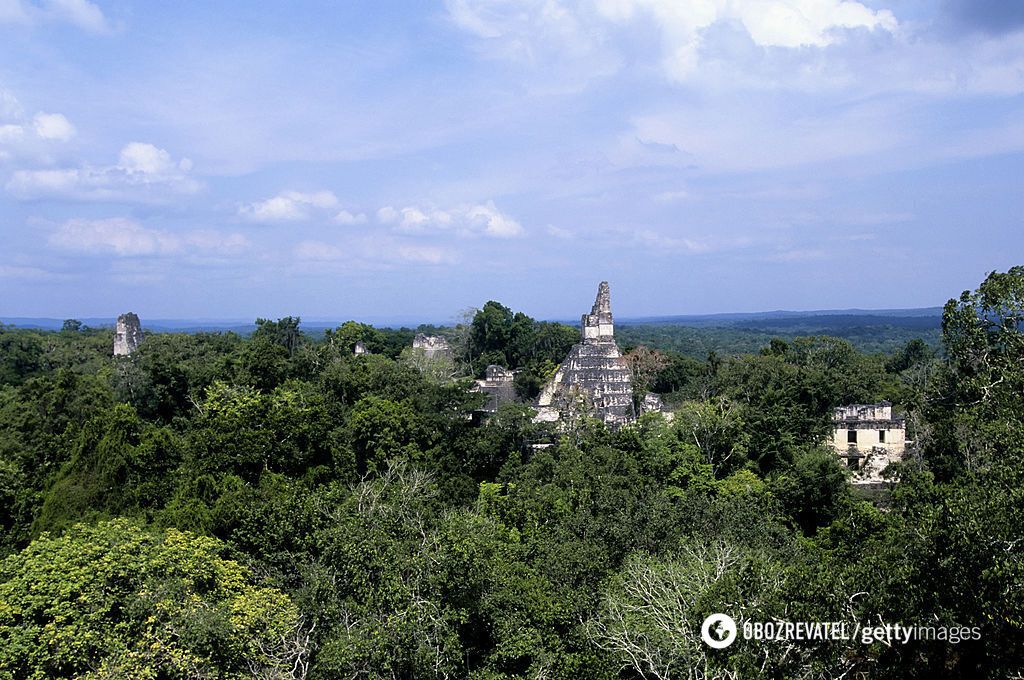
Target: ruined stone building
868	437
432	346
127	334
360	349
594	377
499	386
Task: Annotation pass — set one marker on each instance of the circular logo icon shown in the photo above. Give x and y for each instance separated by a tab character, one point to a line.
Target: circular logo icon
718	631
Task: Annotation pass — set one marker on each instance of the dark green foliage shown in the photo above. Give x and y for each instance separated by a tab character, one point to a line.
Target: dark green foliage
813	489
119	465
395	535
514	340
21	356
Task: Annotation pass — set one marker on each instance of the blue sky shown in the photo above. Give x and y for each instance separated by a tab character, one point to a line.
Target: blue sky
408	160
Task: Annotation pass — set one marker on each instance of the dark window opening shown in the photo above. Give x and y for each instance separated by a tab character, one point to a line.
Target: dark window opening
881	436
851	436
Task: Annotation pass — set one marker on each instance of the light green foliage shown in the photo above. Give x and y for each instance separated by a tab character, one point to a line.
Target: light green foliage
116	601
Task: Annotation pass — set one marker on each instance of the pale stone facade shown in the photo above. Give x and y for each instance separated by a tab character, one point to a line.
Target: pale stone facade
593	376
868	437
432	346
127	335
360	349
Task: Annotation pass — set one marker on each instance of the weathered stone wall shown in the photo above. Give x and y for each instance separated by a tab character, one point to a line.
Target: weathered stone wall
432	346
127	334
880	411
868	437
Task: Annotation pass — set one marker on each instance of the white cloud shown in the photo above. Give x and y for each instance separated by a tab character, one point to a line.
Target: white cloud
492	222
144	173
145	158
347	218
81	13
664	243
481	219
53	126
127	238
388	215
289	206
11	133
371	253
117	235
21	135
570	28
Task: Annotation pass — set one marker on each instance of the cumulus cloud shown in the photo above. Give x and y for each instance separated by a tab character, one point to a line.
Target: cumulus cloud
20	136
289	206
578	25
53	126
146	159
481	219
81	13
144	173
347	218
127	238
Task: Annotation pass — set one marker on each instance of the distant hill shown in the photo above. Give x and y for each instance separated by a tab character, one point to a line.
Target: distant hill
240	326
868	330
780	316
878	330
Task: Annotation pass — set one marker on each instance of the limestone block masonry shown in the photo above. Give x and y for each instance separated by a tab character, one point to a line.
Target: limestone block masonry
594	372
127	335
869	437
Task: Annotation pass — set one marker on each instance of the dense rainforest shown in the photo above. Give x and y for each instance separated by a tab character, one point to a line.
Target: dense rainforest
274	506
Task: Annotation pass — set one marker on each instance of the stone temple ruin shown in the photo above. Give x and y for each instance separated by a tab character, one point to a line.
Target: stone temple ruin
499	386
127	335
432	346
868	437
594	375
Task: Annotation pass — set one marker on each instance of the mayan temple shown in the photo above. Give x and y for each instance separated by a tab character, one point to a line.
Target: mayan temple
594	375
127	335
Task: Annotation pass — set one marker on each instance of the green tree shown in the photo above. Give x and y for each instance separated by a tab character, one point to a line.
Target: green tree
117	601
